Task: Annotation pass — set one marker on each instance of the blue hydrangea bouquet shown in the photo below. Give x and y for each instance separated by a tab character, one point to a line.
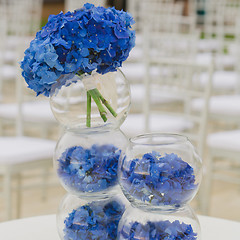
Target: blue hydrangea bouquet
86	41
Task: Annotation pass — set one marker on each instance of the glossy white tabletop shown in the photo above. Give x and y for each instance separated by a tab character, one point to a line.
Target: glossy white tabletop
44	228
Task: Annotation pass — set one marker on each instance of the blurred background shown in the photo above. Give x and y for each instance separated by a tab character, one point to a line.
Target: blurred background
184	77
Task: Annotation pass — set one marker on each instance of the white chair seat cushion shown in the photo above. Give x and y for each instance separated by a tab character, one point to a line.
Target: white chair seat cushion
222	80
138	95
15	150
8	56
36	111
12	42
135	72
222	105
208	45
221	61
8	72
227	140
135	124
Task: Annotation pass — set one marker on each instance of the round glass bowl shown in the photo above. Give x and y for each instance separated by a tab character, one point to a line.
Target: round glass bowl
87	162
149	224
69	103
90	218
161	170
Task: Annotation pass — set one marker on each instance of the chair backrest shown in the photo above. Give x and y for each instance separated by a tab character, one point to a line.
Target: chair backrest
3	33
164	16
24	16
71	5
166	32
220	20
170	45
175	78
23	20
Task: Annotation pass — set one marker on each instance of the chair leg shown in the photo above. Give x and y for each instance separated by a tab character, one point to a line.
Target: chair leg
45	177
19	194
205	198
44	132
8	195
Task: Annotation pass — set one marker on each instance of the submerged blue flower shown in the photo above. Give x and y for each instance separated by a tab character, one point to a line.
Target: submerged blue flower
158	180
89	170
88	39
96	220
164	230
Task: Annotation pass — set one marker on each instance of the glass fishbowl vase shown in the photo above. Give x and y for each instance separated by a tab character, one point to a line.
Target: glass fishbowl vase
93	217
91	100
161	170
86	162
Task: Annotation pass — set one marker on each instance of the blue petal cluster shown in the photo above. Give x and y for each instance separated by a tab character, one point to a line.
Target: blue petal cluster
164	230
89	170
90	38
97	220
158	180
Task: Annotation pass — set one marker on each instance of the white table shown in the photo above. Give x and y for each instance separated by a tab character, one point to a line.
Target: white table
44	228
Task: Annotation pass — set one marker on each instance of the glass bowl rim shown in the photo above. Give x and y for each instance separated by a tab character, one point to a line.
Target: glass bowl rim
163	139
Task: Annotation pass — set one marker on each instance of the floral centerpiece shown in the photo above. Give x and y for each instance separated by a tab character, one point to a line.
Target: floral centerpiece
90	39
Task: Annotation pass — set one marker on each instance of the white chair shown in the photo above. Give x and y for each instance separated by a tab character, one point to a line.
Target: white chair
222	162
21	27
71	5
7	72
157	16
158	45
172	116
22	20
21	153
222	107
219	23
225	99
35	113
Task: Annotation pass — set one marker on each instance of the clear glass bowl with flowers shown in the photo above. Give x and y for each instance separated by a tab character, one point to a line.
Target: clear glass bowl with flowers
160	170
73	55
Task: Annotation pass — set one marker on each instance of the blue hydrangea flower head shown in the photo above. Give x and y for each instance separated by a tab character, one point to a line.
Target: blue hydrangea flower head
88	39
159	180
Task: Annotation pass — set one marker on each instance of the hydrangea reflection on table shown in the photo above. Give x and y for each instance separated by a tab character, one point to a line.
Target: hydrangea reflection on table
159	174
74	60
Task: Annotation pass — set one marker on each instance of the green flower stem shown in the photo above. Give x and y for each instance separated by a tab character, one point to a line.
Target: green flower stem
101	109
89	101
106	103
